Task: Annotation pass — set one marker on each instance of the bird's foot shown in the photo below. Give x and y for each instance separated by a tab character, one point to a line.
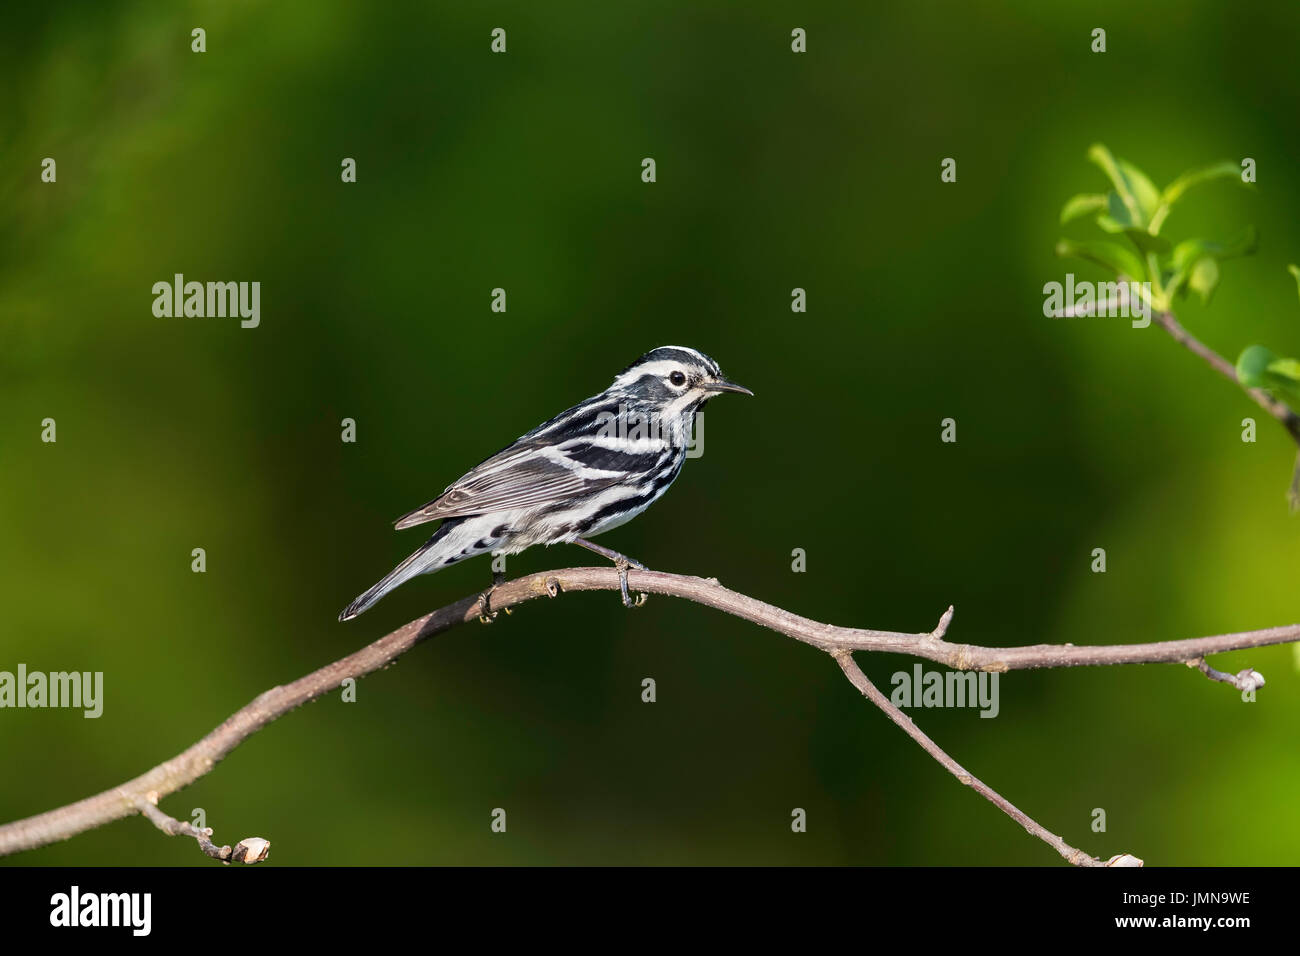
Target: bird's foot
623	566
485	613
622	562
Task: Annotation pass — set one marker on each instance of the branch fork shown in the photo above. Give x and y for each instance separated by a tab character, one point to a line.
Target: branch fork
142	794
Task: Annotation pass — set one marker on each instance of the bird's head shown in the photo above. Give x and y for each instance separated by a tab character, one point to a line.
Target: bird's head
674	380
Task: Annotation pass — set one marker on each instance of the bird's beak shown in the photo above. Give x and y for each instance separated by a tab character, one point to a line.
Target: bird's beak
722	385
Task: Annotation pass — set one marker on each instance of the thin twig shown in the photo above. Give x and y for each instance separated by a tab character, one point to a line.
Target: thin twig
250	850
1245	680
1279	410
869	691
133	796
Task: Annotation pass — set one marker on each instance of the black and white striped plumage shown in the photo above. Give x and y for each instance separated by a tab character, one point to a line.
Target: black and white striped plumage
590	468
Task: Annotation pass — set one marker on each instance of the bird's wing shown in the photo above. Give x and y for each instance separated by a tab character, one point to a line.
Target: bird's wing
524	475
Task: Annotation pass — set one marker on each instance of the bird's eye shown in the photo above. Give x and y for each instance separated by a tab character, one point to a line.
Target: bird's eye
677	378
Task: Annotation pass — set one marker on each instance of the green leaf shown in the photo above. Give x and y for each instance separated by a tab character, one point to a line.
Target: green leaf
1252	366
1224	170
1204	277
1130	204
1189	250
1173	283
1082	205
1118	259
1295	271
1188	256
1287	369
1144	191
1147	242
1101	156
1257	367
1117	217
1175	190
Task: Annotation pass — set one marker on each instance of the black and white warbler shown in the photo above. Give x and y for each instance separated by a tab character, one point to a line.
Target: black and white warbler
590	468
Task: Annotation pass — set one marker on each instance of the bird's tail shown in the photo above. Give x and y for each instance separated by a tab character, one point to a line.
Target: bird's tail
426	559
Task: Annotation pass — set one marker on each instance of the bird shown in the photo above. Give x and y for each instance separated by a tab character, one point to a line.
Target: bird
589	469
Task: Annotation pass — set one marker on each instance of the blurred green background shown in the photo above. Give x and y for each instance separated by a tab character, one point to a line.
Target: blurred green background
522	171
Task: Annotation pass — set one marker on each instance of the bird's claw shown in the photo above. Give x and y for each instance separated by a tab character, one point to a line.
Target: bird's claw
485	613
621	563
628	601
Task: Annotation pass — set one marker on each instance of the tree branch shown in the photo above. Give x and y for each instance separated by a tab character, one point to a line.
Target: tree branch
869	691
140	795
